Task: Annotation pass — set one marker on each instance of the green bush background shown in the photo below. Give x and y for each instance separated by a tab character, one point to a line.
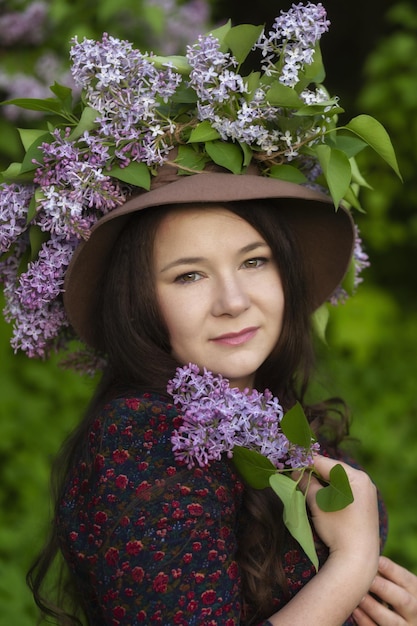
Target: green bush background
371	355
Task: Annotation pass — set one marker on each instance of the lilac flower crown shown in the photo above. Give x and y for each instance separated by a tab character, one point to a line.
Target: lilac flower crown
133	110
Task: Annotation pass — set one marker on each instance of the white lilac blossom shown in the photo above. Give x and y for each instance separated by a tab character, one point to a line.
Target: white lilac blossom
130	109
216	418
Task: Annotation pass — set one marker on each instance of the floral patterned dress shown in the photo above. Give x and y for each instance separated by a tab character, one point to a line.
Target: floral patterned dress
150	541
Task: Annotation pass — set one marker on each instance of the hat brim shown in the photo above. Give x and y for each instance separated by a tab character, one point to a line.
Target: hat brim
326	236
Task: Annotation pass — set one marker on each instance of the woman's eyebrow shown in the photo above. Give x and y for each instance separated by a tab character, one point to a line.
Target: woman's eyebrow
190	260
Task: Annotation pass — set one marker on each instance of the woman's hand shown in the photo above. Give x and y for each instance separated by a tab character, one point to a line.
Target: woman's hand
353	531
352	535
396	589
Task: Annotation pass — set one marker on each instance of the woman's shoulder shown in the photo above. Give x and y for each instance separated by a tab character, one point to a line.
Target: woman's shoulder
140	409
138	402
134	419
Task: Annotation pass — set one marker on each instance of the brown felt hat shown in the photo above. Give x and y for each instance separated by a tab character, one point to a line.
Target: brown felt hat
326	236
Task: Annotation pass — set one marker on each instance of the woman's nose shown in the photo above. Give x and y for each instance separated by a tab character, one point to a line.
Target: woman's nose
231	298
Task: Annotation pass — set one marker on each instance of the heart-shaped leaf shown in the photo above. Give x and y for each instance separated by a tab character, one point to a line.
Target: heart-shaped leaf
228	155
296	428
254	468
241	40
287	172
203	132
338	494
135	174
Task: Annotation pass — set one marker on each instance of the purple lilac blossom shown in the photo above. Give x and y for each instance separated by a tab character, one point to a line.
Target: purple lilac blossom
14	205
216	418
293	37
34	329
360	262
222	93
72	178
126	90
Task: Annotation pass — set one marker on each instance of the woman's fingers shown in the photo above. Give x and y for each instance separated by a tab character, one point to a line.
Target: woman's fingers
398	575
394	599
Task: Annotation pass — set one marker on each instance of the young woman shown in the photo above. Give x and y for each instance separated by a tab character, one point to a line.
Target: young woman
195	251
222	271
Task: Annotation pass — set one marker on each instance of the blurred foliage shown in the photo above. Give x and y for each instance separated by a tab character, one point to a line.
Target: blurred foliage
370	362
370	359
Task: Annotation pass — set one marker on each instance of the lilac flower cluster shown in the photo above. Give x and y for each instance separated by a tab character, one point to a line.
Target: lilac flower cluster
216	418
222	91
294	36
126	90
72	193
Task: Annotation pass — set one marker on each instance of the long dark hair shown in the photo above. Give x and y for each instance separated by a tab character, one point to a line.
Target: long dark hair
136	342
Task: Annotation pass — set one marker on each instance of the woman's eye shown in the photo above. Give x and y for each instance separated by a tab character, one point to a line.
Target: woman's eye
189	277
254	263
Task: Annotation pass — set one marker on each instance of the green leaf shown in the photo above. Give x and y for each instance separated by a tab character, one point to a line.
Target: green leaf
314	72
32	206
349	280
296	428
283	96
338	494
252	83
375	135
137	174
336	169
184	95
247	154
28	136
13	174
190	159
87	122
63	93
287	172
36	237
228	155
349	144
178	62
295	514
221	32
34	153
47	105
241	39
317	109
254	468
319	320
203	132
357	176
352	200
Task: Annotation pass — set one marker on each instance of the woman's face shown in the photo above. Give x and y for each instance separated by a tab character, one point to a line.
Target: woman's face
219	291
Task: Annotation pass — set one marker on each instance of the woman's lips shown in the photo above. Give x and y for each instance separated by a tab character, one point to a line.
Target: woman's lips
236	339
